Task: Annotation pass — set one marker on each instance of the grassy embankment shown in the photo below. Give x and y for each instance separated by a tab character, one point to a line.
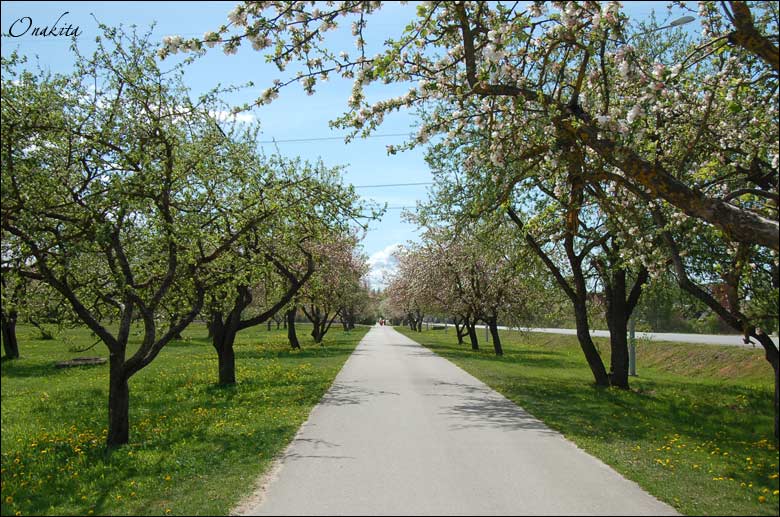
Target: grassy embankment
695	430
195	448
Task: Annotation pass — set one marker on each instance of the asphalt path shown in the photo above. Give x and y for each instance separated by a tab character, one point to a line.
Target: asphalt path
404	432
705	339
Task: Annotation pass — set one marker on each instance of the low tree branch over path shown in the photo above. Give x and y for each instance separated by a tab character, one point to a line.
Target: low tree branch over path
567	70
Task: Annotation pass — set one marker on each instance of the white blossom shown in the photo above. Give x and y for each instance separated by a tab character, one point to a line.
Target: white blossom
624	69
634	113
237	16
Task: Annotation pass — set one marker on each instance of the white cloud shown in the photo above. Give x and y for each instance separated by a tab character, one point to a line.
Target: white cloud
243	117
382	264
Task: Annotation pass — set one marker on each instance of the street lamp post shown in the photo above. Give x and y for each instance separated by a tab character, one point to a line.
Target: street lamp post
632	347
632	322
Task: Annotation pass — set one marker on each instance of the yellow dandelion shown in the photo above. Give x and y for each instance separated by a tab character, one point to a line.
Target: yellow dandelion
761	499
776	492
167	478
9	499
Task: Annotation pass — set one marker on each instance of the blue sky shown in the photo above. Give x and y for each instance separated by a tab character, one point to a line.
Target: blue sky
293	116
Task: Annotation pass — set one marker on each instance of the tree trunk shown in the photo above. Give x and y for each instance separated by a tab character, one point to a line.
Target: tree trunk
223	338
318	321
586	344
577	294
227	364
773	357
291	335
460	330
493	325
617	321
322	331
317	332
736	321
619	349
118	402
173	320
777	400
269	325
10	343
348	319
210	324
326	323
473	335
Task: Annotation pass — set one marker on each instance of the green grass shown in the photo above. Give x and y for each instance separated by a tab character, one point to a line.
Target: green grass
695	430
195	448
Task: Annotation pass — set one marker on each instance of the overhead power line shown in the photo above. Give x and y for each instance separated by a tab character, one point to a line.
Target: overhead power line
318	139
395	185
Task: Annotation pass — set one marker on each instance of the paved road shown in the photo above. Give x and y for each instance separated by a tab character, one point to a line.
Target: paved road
403	431
706	339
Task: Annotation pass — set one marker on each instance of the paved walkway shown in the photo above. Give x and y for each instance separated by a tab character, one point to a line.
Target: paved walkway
403	431
701	339
704	339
